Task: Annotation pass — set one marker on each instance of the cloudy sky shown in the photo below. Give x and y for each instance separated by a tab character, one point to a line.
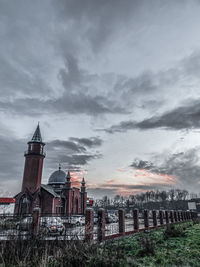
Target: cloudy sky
115	85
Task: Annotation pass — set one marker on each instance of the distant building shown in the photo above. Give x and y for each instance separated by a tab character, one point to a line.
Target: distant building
56	197
7	205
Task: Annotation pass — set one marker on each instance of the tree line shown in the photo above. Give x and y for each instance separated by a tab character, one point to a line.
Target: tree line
163	196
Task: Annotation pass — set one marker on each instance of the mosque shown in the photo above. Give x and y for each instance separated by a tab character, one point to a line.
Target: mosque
56	197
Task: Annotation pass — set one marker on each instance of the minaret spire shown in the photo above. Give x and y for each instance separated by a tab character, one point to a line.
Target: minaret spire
83	182
68	178
34	157
59	167
37	135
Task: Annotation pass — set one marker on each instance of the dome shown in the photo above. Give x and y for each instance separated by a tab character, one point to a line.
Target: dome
57	177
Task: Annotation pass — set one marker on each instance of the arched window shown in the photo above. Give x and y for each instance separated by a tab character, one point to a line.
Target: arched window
24	205
76	203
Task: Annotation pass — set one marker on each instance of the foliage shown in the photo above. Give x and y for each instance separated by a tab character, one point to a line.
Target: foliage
174	231
142	249
157	196
146	245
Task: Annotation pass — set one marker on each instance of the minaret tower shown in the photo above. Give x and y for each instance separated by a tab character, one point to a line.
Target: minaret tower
83	196
67	193
68	180
34	157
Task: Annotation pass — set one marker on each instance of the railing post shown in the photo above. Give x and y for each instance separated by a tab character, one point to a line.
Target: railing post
179	216
146	219
121	222
136	219
101	225
182	216
161	217
185	215
89	225
192	214
154	214
175	216
171	216
35	221
166	216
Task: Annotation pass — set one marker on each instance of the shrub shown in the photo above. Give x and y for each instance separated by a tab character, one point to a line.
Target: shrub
174	231
146	244
195	220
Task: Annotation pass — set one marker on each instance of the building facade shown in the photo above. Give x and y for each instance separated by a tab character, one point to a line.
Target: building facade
56	197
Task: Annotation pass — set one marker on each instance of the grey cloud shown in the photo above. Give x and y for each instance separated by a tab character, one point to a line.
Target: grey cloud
72	147
76	98
99	24
142	164
74	154
75	160
138	186
184	166
89	142
72	103
11	163
183	117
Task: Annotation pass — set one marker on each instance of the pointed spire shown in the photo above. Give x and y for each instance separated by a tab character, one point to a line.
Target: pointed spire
68	176
59	167
83	182
37	135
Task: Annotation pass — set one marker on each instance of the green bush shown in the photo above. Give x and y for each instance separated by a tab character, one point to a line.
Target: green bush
174	231
146	245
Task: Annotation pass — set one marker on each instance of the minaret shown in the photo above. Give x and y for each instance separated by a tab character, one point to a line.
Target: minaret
83	196
67	193
68	180
83	185
34	157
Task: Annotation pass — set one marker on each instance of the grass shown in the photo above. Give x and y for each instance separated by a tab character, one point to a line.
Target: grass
172	246
178	246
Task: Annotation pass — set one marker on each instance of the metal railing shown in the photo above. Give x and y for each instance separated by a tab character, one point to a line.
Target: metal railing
49	227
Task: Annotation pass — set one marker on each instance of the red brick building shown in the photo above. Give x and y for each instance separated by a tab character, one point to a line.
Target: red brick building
58	196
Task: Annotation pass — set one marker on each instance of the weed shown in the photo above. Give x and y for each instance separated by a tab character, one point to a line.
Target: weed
174	231
146	244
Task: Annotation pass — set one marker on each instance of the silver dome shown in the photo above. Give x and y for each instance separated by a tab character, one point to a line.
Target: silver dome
57	177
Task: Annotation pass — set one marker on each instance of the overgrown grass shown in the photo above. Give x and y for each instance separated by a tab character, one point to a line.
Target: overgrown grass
175	246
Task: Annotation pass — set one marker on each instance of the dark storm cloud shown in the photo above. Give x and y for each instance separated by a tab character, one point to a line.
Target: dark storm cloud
76	98
36	33
62	33
184	166
183	117
74	154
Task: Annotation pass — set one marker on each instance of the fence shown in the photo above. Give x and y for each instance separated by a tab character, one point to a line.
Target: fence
141	221
48	227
